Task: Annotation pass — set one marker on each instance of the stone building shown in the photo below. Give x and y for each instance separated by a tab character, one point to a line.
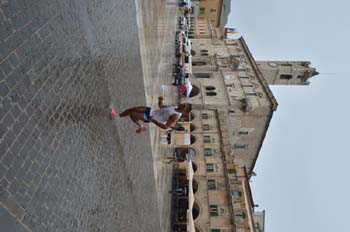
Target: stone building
208	18
235	93
203	29
287	72
215	10
226	129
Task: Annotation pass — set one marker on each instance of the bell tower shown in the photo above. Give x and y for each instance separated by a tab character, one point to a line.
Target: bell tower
287	72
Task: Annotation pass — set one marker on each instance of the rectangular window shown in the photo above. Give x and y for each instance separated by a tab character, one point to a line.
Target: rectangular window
213	10
234	181
208	152
202	10
205	127
201	75
240	230
244	77
205	116
215	230
210	168
206	139
247	86
286	76
214	211
240	146
250	94
211	184
236	193
239	217
243	132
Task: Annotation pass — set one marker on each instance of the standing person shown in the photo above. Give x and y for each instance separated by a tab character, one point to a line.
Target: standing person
164	117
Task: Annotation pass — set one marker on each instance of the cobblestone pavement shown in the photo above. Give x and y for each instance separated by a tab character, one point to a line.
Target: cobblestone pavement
64	165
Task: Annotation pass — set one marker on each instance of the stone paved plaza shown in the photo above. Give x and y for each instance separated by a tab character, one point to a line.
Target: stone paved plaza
64	165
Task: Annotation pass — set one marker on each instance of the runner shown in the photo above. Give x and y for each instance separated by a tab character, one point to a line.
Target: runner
164	117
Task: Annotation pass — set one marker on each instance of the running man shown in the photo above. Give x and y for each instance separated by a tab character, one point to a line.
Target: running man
164	117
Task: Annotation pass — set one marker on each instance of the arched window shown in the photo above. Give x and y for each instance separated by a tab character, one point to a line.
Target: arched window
194	167
195	211
193	139
195	186
192	127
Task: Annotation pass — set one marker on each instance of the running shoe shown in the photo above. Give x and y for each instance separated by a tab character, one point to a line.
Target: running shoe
141	129
114	114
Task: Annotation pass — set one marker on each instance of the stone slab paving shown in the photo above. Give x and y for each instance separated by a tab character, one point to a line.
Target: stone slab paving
64	165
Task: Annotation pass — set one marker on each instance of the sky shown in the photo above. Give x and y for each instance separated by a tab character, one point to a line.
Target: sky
302	181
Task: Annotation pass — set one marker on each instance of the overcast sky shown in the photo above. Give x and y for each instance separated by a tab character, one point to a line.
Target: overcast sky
303	180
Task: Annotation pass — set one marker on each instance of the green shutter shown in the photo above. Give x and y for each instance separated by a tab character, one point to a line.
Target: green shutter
210	167
208	151
211	184
236	193
214	211
206	139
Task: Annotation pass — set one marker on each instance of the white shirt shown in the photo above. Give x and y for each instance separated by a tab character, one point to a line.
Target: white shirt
163	114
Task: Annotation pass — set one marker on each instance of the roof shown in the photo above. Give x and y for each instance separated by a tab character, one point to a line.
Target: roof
273	100
225	11
259	75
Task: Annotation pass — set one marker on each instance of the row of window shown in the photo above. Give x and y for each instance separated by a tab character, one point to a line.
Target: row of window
202	10
207	75
216	210
210	151
288	76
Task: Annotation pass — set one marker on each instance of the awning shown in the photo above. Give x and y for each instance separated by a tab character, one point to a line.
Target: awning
187	139
189	175
190	195
190	223
189	87
189	169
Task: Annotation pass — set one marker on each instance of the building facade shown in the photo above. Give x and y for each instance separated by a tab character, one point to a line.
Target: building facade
203	29
226	129
215	10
